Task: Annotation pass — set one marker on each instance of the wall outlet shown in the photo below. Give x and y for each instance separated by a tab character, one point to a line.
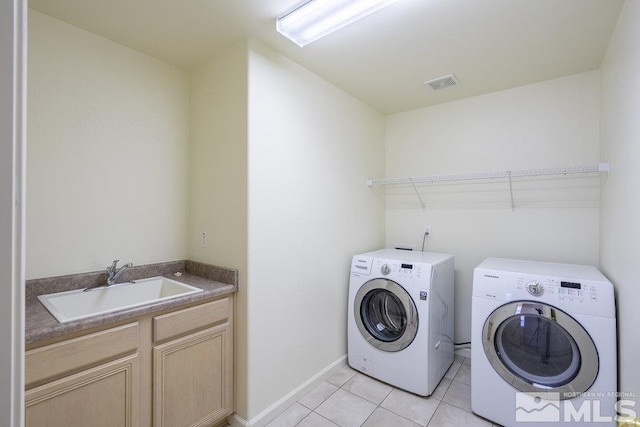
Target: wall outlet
427	231
204	240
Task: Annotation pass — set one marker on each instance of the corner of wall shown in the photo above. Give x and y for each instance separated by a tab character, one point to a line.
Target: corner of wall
218	200
620	206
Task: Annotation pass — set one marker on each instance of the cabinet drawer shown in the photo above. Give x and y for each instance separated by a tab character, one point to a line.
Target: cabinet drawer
106	395
77	353
180	322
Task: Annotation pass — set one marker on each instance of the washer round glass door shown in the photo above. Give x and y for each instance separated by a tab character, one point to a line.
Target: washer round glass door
537	347
385	314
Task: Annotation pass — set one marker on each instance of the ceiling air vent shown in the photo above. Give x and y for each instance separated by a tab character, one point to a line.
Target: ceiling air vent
443	82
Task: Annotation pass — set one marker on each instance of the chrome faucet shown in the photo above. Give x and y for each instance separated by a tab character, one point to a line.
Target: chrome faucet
113	273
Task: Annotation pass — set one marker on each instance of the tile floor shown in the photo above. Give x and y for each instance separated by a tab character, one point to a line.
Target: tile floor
351	399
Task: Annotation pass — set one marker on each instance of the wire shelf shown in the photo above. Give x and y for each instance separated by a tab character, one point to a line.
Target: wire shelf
478	176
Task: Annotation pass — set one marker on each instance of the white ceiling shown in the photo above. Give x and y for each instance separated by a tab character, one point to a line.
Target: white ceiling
383	59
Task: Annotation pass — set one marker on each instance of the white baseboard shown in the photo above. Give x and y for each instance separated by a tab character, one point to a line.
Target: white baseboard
236	420
281	405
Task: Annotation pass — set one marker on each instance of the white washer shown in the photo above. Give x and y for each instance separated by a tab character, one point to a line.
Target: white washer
543	346
400	317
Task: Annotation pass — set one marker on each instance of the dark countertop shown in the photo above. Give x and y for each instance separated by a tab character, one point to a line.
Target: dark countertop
40	325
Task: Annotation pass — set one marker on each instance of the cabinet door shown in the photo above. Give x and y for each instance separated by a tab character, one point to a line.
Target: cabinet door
106	395
193	383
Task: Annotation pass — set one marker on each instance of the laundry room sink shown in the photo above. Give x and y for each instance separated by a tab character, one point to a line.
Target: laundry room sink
80	303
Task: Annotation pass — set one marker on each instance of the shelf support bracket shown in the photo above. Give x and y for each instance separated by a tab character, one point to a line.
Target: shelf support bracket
513	206
417	194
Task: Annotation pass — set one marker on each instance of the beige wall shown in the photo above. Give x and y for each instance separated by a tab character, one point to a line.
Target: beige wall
218	178
270	161
553	123
133	158
108	141
620	203
279	159
311	148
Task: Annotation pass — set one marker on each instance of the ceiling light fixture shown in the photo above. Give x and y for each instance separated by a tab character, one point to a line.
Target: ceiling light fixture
318	18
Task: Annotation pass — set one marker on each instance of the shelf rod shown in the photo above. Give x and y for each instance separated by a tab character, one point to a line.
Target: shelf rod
567	170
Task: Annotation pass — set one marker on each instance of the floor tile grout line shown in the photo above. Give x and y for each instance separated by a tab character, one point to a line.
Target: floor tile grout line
379	405
314	412
434	412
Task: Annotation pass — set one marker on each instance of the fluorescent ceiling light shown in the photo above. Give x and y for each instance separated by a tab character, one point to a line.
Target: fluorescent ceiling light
318	18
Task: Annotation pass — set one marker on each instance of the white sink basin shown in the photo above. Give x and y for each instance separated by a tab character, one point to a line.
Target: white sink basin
78	304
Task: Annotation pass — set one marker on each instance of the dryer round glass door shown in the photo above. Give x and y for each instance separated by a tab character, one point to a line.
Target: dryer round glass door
537	347
386	315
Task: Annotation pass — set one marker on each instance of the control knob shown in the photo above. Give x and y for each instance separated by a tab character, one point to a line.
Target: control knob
535	288
385	269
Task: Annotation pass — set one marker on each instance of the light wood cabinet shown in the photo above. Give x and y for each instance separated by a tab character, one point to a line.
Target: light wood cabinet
62	358
106	395
193	374
171	370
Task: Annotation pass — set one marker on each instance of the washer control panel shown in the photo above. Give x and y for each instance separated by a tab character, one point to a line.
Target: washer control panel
399	270
558	289
571	291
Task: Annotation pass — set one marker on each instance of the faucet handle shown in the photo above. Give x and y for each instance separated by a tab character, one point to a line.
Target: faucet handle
113	265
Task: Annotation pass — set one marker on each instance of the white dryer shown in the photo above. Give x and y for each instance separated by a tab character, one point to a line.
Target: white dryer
400	317
543	349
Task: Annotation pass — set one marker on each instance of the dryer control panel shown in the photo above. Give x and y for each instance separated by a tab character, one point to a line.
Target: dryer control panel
562	290
580	289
